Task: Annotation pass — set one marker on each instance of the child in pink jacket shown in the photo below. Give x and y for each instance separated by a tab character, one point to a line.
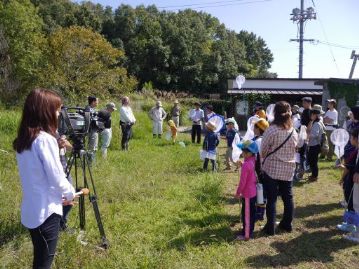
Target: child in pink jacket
246	190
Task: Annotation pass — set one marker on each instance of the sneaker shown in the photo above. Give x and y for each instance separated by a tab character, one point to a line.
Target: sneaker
345	227
337	163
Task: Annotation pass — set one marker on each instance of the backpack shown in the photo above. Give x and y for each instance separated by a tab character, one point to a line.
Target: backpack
324	143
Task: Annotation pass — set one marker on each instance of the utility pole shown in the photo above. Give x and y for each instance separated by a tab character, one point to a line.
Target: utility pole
300	16
355	58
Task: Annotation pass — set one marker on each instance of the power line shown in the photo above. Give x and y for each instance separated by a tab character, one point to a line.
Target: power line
218	5
203	3
337	45
328	43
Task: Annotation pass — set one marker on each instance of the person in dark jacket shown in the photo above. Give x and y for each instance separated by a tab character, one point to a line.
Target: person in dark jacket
210	144
106	134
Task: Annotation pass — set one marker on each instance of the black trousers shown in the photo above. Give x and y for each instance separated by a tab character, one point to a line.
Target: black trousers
196	132
313	156
44	239
65	213
205	164
348	187
126	134
272	188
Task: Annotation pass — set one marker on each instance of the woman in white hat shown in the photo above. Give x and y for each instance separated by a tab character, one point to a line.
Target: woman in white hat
157	115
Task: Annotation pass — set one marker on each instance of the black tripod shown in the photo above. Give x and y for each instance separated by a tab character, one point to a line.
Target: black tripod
79	158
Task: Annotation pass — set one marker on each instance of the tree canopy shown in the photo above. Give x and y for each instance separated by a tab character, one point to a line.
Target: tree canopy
21	42
186	50
81	62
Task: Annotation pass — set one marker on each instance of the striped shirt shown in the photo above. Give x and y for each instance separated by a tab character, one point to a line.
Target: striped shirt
281	164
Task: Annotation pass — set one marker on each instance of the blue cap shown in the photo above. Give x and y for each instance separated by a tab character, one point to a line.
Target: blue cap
249	145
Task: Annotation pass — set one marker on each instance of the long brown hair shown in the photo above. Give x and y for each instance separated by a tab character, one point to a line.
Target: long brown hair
282	115
39	114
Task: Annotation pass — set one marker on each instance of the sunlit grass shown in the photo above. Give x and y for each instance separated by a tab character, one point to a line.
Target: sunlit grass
160	211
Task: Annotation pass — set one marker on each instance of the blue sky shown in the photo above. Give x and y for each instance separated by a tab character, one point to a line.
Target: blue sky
337	23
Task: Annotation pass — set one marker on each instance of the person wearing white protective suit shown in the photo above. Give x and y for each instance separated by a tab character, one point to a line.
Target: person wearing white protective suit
196	115
330	120
157	115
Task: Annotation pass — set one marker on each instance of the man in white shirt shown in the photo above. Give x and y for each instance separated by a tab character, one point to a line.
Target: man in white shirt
330	120
157	115
196	115
296	117
127	119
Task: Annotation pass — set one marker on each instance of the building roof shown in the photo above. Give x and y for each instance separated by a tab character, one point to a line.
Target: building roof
277	87
276	91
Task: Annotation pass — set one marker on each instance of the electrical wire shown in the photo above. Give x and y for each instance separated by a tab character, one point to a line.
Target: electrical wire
203	3
236	3
326	39
337	45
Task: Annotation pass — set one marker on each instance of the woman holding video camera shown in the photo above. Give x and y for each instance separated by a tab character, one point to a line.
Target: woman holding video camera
44	184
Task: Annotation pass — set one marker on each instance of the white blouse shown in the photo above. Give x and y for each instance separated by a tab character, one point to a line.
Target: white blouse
126	114
43	181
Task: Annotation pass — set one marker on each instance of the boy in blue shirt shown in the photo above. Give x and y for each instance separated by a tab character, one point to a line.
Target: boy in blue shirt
230	134
210	144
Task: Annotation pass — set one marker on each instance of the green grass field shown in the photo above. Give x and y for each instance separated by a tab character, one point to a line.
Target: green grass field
160	211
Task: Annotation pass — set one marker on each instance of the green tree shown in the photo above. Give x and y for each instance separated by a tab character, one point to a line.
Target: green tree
188	50
257	54
82	62
23	44
56	13
65	13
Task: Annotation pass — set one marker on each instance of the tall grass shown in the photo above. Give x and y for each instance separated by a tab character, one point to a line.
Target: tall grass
160	211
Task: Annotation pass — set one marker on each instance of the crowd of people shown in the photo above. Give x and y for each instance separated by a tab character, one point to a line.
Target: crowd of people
291	146
273	156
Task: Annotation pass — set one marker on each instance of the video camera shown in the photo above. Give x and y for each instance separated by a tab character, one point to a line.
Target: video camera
77	122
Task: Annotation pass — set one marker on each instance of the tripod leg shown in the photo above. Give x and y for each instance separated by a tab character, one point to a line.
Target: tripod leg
93	200
82	215
82	212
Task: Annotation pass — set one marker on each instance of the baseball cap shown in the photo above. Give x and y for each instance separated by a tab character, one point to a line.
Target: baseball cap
111	105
